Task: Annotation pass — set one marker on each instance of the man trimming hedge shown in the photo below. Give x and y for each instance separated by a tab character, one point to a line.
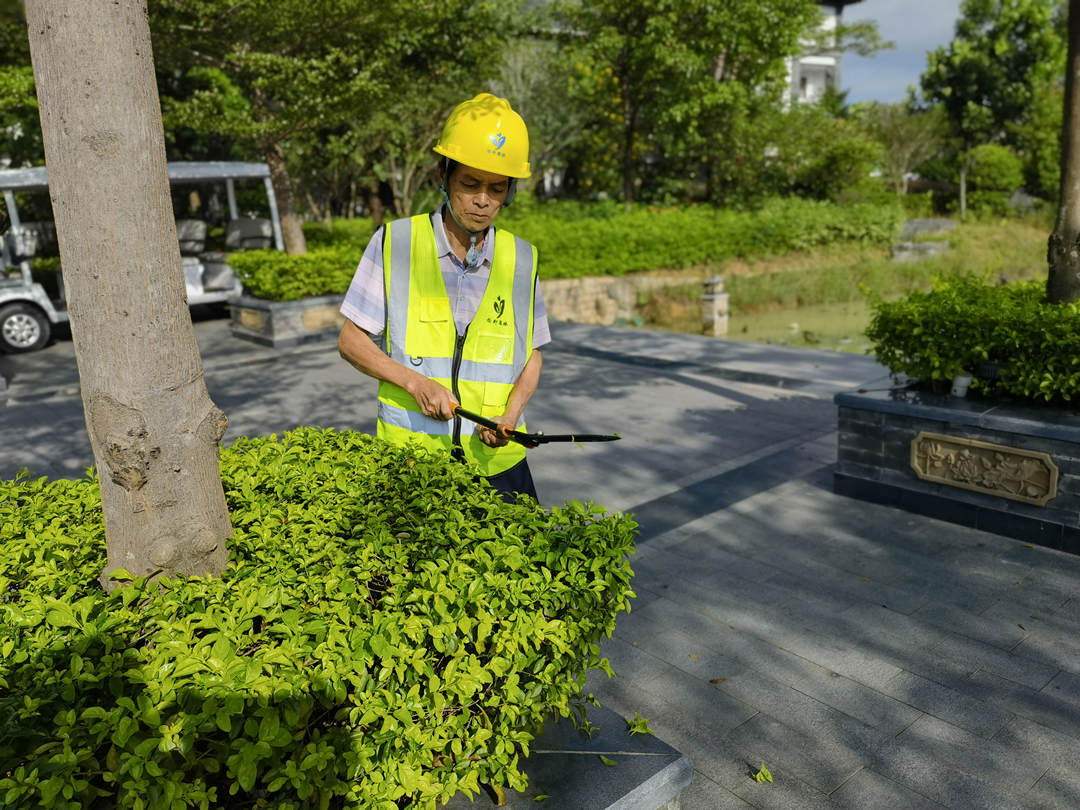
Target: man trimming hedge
445	311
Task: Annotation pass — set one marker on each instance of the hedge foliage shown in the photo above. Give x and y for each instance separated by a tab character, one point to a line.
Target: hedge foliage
601	240
278	276
388	632
962	324
594	239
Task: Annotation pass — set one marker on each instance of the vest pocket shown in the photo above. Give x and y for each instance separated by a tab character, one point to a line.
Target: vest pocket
495	397
434	310
492	347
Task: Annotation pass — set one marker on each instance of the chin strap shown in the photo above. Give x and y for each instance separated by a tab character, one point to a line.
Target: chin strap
472	257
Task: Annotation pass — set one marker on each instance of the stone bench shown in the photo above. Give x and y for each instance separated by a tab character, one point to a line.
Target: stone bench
565	764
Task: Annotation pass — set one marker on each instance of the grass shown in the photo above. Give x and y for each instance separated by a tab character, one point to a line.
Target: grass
1003	250
822	298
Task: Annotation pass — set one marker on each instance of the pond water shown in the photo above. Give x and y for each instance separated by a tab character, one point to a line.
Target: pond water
835	327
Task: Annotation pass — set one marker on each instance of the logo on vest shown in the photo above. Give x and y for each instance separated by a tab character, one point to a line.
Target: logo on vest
499	306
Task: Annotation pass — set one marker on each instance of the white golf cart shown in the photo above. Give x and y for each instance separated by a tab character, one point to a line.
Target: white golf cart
32	298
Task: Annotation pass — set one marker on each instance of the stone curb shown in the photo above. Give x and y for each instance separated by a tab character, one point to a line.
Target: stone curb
565	765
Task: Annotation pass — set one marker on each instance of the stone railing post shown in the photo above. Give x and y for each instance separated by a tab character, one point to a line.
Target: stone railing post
714	308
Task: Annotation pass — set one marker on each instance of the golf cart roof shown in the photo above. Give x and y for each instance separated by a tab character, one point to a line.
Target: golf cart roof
36	178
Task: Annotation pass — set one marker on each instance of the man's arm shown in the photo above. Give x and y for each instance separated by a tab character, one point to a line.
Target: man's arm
357	347
524	388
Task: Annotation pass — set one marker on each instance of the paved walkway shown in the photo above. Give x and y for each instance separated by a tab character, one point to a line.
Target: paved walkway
870	658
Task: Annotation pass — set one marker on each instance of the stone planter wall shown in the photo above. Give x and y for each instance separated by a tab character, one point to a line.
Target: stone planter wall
286	323
602	300
1009	469
599	300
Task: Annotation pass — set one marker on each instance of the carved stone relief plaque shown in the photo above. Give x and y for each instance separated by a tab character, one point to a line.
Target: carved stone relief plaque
992	469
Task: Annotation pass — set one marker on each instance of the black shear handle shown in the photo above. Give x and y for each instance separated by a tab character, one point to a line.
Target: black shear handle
532	439
513	435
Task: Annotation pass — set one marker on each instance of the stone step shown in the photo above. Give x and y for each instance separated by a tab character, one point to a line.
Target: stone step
565	765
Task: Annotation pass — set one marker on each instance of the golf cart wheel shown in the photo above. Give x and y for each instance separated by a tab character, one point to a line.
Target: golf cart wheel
23	328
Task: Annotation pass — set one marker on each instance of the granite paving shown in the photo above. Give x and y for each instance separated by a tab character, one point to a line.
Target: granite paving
869	657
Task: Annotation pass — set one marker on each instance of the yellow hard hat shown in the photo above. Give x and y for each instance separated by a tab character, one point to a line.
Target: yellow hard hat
486	134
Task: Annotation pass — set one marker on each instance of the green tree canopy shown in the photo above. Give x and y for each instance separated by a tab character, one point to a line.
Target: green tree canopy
908	137
662	77
989	77
272	70
20	127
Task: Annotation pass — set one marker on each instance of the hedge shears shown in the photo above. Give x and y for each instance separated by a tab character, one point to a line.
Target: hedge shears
532	439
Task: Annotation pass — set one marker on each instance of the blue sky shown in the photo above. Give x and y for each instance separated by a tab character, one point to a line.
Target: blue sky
916	26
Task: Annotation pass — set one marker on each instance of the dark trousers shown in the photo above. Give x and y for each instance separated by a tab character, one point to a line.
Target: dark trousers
515	481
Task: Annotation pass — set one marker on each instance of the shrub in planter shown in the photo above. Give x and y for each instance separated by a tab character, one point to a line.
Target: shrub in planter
960	326
277	276
388	633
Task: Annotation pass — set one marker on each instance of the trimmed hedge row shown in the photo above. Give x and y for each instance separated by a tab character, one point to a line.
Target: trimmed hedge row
649	238
278	276
593	239
962	324
388	633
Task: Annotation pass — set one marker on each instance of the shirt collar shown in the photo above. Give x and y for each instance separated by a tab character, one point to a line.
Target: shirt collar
442	242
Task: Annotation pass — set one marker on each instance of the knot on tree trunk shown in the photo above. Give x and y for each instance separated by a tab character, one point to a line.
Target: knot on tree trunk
183	548
121	433
213	425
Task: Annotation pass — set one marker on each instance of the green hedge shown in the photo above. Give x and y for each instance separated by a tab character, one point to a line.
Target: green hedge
277	276
593	239
963	324
388	633
357	231
611	242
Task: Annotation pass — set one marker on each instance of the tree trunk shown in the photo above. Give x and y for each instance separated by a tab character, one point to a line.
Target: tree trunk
1063	252
292	231
317	210
628	155
963	189
152	425
375	204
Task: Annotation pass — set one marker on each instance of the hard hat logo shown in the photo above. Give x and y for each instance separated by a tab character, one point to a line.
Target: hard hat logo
485	133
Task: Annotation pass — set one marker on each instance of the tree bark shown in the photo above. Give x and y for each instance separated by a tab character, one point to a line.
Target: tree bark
963	188
629	122
1063	250
375	204
152	425
292	231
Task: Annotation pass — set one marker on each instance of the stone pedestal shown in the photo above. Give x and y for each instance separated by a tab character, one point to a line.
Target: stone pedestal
286	323
714	308
1008	468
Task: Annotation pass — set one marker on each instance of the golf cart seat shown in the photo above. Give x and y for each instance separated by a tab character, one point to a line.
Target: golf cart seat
249	234
240	234
192	236
30	240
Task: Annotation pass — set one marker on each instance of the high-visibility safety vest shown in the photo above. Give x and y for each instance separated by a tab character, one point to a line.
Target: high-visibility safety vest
480	367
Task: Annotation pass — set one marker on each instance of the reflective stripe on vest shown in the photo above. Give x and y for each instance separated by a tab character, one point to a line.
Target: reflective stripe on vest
420	334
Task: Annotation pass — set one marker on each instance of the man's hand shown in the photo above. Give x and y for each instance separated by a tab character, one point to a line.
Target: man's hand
490	437
434	400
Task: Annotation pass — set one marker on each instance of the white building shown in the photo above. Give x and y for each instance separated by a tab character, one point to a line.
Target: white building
809	75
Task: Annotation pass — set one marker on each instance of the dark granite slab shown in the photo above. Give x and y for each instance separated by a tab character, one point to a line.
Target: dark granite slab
882	474
1031	419
565	765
